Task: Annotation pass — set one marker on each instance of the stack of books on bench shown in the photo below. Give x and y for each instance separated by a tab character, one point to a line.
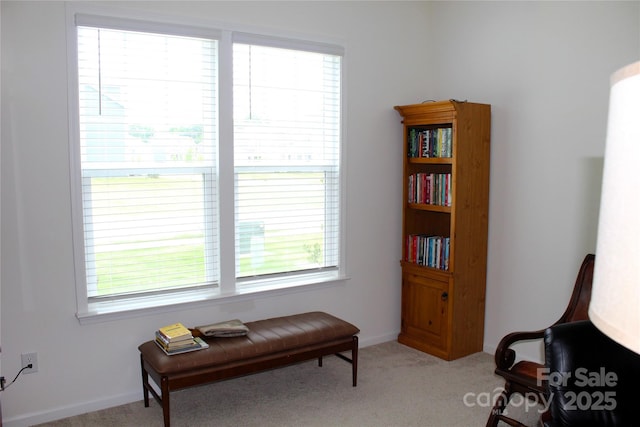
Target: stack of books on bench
177	338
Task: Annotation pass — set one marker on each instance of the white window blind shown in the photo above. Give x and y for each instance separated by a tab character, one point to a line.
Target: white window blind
148	132
287	160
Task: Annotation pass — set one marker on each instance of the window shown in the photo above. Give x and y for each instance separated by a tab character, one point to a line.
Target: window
286	146
152	163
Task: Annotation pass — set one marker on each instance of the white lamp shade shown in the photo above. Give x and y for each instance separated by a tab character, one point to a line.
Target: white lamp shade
615	299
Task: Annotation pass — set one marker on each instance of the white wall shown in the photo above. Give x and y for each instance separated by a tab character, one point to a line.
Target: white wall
543	66
93	366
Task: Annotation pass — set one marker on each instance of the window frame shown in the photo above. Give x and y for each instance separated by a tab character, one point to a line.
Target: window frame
229	287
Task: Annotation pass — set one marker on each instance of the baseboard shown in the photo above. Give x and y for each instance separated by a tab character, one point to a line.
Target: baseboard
134	396
369	341
521	354
72	410
488	348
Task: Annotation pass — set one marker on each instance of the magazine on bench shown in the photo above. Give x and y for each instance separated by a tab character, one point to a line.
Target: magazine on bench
229	328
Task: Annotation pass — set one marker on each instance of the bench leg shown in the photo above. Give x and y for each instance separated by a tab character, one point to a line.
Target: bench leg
145	383
162	399
165	401
354	361
320	361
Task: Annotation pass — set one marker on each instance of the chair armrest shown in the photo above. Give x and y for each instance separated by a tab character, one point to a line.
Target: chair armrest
506	356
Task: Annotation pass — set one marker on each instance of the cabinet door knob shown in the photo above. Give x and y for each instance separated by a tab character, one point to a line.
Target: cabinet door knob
444	296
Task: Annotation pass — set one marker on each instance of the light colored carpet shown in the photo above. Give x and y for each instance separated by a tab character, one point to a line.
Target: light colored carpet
397	387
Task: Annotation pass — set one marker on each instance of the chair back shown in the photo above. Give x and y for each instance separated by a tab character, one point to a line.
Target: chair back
578	306
608	369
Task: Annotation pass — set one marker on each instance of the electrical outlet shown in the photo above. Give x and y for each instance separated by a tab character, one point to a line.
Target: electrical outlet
32	359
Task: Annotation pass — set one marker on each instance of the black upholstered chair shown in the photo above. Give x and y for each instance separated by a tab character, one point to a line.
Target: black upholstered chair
593	380
522	377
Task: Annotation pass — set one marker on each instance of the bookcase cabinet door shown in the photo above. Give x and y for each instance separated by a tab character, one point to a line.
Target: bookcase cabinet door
424	324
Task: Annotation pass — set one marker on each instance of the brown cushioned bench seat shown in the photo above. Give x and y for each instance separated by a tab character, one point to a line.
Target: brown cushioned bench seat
269	344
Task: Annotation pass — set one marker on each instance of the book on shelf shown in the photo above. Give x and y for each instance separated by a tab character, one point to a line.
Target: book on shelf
194	344
226	329
430	188
175	332
430	143
428	251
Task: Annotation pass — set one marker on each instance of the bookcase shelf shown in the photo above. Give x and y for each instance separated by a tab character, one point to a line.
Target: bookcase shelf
428	160
446	147
433	208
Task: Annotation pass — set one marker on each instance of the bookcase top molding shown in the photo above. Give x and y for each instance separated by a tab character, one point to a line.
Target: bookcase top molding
438	111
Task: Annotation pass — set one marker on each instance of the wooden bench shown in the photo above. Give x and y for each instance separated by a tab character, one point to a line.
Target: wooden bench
270	343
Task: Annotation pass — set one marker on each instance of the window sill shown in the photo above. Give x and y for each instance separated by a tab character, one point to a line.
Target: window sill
105	311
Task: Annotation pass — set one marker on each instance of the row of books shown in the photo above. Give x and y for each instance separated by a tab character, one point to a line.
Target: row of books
177	339
430	142
430	251
430	188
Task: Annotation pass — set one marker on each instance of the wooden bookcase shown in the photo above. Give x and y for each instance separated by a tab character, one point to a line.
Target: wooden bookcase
443	303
